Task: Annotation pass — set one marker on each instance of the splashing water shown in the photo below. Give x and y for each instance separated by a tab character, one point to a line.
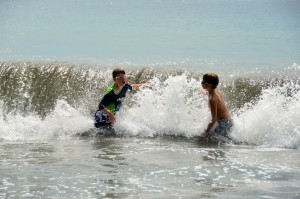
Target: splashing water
172	107
273	120
265	110
63	122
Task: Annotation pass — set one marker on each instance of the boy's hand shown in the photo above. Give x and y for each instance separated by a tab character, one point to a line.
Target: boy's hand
137	86
205	134
112	117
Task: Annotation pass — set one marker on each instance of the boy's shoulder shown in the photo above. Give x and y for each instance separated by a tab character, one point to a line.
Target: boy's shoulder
128	86
109	89
215	97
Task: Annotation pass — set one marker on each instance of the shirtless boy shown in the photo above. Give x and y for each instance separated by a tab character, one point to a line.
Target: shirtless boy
219	111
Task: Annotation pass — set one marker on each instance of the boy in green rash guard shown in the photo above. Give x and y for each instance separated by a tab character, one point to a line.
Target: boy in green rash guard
112	100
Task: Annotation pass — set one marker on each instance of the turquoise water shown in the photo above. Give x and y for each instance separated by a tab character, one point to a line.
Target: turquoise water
188	32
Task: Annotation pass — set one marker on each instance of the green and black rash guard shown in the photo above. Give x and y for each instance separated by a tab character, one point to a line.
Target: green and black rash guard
112	101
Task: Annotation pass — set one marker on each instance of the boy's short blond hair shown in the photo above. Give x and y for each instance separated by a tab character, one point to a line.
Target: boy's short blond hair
212	79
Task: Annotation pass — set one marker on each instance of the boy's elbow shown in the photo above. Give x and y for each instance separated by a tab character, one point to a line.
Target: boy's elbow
214	120
101	106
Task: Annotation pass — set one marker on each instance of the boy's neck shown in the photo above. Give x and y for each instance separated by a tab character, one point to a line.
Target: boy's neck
211	91
117	88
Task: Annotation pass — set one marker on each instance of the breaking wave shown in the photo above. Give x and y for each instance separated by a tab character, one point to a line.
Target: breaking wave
58	100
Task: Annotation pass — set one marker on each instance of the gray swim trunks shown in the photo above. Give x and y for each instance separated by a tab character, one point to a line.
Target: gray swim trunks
223	128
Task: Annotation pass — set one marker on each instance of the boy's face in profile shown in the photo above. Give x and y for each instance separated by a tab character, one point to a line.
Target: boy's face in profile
205	85
120	79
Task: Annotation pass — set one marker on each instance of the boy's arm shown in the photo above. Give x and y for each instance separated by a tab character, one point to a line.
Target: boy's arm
102	107
214	118
111	116
137	86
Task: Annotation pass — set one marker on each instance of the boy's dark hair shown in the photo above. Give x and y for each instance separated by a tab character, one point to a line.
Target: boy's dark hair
117	72
212	79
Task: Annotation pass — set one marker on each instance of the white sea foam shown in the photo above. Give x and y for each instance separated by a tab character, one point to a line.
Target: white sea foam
175	106
273	120
178	107
63	122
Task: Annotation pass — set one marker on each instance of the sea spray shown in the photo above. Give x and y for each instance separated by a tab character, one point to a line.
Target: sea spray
63	122
171	107
58	100
272	120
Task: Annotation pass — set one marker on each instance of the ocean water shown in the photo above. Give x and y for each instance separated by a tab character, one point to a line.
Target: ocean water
193	32
49	148
56	59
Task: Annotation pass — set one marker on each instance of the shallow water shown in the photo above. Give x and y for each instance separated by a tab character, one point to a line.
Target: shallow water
44	106
136	167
